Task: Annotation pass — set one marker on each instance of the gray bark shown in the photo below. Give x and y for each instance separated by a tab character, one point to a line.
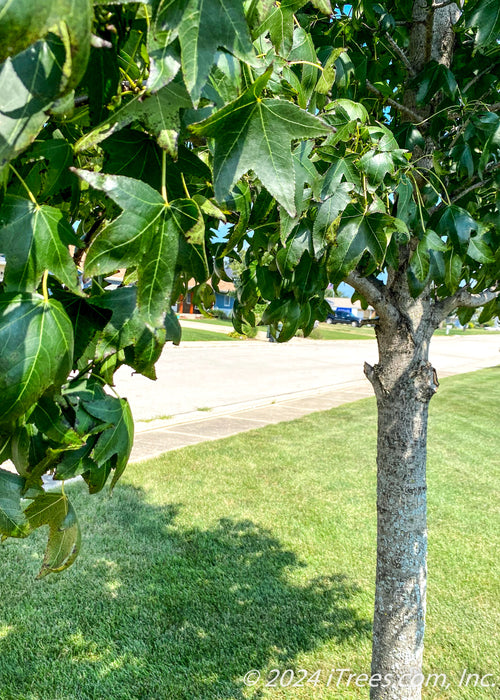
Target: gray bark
404	383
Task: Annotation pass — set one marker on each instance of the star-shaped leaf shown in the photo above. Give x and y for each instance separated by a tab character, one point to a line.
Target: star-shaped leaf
253	133
35	238
360	231
202	27
54	510
150	231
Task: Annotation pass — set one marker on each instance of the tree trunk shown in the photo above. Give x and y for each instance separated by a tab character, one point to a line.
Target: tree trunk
404	383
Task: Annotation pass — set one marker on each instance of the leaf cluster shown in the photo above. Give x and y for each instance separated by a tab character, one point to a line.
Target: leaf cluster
300	132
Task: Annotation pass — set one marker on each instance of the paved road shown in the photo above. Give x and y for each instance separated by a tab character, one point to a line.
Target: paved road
201	375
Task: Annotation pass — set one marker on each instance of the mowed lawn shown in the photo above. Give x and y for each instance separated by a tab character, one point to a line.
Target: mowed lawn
190	334
326	331
258	552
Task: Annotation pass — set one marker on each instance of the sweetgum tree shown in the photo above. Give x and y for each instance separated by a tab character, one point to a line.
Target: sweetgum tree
353	142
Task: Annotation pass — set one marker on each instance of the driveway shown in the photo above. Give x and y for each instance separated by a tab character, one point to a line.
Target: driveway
211	375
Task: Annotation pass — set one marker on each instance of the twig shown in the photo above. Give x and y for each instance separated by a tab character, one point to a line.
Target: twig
417	118
466	190
397	49
476	78
81	100
476	185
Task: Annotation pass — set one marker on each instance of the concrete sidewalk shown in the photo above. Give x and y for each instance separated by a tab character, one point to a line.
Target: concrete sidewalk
261	376
191	429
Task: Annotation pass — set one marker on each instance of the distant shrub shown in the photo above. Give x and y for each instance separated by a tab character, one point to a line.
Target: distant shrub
221	314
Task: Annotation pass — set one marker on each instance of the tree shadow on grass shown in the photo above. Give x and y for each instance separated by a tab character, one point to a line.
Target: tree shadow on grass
153	610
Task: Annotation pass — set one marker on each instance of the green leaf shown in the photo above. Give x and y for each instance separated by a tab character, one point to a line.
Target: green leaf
13	522
283	315
87	319
158	113
102	80
458	224
434	242
435	77
328	213
202	27
279	23
341	168
148	230
36	341
117	440
252	133
327	77
303	50
485	16
23	23
453	272
55	510
35	238
298	242
134	154
323	6
478	250
420	261
406	207
344	115
59	155
376	166
49	418
359	231
383	138
29	84
164	61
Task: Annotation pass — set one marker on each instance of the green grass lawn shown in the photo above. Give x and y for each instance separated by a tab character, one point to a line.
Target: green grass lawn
469	331
195	334
340	331
258	552
210	321
328	331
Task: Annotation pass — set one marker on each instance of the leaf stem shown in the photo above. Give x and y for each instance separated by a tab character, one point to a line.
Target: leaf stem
164	176
185	186
44	286
306	63
23	183
419	200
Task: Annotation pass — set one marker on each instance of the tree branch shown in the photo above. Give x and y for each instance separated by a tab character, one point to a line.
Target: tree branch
461	298
475	186
417	118
375	292
477	77
466	190
399	51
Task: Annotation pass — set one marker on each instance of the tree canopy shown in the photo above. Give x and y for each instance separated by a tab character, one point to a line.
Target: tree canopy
337	143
